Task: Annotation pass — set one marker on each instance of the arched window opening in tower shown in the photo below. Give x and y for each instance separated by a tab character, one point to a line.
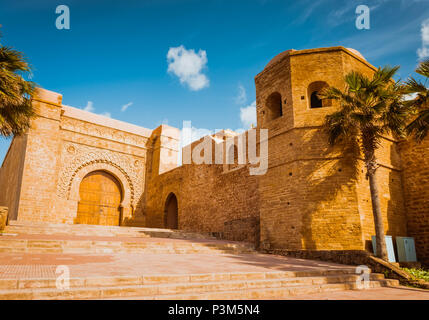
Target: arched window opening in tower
274	106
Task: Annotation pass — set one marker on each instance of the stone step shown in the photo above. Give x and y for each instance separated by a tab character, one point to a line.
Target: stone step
265	293
290	286
11	245
96	230
314	276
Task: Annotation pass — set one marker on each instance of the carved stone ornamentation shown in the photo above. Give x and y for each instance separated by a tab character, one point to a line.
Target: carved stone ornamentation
77	158
74	125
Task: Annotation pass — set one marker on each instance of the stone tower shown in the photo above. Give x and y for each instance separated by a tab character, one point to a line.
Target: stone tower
314	196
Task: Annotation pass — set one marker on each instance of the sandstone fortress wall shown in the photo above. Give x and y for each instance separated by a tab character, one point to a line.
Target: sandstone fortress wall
312	197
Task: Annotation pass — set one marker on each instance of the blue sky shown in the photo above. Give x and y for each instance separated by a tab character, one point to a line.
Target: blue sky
115	53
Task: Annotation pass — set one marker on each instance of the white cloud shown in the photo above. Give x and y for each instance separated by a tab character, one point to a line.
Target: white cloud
187	65
125	106
198	133
423	52
89	107
425	32
242	96
248	115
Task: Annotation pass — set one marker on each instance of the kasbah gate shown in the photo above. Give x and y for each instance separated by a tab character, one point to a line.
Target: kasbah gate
310	200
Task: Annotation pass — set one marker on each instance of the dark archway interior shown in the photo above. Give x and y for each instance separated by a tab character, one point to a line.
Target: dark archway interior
314	89
171	212
315	101
274	106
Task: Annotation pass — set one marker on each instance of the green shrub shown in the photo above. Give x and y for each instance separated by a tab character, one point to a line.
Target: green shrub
419	273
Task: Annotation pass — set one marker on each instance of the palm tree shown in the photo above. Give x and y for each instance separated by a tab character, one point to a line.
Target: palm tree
370	108
16	109
419	127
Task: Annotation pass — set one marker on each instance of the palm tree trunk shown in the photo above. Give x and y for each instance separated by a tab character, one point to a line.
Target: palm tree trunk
371	164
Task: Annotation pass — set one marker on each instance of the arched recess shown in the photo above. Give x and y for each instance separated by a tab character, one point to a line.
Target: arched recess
171	212
314	101
274	108
111	168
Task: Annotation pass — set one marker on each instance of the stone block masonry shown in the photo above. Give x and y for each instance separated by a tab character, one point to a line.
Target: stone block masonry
415	177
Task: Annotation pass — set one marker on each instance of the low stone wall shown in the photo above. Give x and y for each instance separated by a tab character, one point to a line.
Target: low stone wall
246	229
3	217
356	258
393	272
349	257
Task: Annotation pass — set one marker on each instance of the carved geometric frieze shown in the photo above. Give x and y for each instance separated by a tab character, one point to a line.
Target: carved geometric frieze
75	157
94	130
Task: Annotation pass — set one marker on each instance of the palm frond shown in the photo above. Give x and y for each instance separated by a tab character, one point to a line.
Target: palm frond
423	68
419	127
370	108
353	81
414	86
13	60
382	76
16	109
339	127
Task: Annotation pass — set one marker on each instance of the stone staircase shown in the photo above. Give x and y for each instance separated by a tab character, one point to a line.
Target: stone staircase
91	239
255	285
26	227
109	247
156	249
